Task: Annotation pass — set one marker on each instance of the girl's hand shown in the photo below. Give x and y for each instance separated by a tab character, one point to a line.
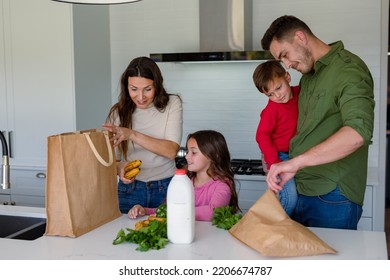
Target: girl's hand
136	211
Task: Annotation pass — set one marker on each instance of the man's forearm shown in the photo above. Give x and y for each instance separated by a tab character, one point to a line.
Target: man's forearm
341	144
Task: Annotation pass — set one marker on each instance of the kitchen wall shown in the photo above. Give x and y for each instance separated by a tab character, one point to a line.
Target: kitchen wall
221	96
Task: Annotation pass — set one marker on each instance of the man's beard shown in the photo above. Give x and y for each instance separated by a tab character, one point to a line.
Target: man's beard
306	63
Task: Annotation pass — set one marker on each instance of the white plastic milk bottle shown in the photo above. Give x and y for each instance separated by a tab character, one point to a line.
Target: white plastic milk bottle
180	209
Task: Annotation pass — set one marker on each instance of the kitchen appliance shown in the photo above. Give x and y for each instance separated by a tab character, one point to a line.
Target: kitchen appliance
247	167
226	31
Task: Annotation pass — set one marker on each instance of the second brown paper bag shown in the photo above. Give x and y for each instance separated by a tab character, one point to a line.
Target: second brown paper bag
268	229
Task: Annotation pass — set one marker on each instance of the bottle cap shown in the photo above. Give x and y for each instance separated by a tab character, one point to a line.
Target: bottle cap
181	172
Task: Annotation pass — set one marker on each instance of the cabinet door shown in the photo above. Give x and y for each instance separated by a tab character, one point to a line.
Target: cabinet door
3	97
366	221
249	191
5	199
39	75
28	187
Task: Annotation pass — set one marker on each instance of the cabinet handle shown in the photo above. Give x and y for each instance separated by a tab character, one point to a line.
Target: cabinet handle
41	175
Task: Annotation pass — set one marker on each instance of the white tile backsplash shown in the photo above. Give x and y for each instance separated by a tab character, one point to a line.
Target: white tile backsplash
219	96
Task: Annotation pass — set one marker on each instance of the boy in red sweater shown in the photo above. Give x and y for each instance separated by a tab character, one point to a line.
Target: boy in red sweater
278	122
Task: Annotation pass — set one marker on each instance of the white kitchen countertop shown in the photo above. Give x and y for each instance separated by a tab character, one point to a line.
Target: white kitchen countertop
210	243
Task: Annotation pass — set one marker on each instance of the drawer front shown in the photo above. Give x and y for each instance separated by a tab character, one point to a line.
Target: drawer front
28	182
5	199
28	200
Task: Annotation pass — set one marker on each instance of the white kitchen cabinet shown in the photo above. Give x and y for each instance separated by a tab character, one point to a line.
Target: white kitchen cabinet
251	188
37	76
3	85
3	100
28	187
47	68
5	199
366	221
54	78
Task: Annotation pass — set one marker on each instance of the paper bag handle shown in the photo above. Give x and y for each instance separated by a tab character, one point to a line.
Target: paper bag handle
96	153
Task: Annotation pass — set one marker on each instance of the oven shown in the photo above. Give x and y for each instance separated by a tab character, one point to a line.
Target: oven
247	167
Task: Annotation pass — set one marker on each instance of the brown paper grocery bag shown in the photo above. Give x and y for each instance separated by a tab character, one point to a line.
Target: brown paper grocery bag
269	230
81	183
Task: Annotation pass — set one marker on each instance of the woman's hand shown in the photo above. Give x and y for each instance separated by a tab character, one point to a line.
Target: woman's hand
121	172
119	134
137	210
161	147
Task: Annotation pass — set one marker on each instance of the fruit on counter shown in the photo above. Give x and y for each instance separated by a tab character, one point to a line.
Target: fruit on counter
132	173
145	223
133	164
224	217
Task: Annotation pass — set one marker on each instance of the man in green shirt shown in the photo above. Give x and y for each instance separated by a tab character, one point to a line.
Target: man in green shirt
329	154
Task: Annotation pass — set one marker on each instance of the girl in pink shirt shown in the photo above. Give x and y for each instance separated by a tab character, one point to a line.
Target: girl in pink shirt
208	164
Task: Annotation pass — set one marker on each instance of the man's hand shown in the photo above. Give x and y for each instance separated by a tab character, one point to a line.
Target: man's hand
280	173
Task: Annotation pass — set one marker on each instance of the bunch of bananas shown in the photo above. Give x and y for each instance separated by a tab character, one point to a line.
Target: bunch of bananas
132	169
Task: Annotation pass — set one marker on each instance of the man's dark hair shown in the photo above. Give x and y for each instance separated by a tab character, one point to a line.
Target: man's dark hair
283	27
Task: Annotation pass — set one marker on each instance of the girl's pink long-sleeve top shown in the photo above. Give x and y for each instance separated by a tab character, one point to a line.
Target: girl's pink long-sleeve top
215	193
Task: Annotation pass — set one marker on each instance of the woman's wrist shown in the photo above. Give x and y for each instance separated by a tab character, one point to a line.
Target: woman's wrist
131	136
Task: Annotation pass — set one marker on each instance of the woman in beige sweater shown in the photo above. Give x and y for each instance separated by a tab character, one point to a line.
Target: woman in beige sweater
147	124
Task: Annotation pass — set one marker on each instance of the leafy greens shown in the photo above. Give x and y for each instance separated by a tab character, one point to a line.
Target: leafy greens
153	236
225	218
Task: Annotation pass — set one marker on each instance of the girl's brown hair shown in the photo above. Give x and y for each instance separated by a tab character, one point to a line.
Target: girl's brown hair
212	145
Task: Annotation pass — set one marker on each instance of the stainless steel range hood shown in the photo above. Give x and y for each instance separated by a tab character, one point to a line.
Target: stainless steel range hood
225	28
